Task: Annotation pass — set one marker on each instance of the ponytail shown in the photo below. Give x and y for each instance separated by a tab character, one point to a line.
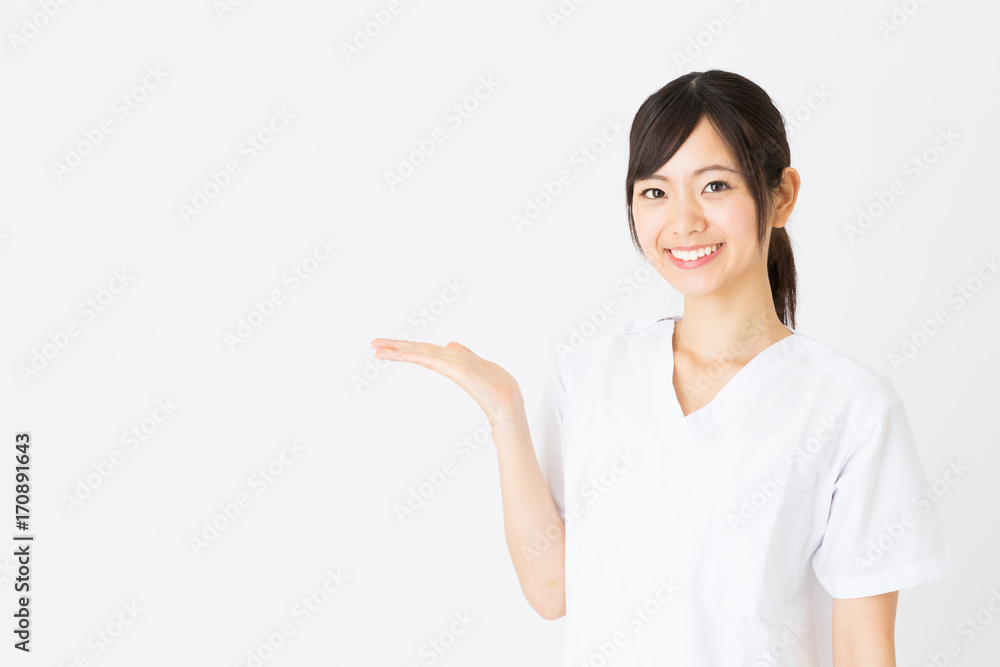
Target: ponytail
781	275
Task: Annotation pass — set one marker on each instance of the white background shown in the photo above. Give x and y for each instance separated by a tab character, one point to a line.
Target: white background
365	446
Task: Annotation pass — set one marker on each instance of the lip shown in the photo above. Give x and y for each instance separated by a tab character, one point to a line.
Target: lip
693	264
695	247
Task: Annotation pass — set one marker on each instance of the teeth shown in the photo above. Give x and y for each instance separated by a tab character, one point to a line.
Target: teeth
690	255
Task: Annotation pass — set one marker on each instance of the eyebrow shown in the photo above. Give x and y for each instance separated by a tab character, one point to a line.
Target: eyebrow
696	172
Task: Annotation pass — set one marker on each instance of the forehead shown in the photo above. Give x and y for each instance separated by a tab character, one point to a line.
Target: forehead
704	150
702	145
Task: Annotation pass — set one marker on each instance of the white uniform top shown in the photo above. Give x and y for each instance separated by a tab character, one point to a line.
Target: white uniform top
699	540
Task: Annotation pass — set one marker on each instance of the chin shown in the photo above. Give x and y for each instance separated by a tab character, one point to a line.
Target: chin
689	290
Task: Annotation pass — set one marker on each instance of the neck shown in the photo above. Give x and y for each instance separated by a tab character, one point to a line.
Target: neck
737	324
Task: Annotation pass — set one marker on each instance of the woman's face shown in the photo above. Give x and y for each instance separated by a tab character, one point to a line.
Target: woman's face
695	201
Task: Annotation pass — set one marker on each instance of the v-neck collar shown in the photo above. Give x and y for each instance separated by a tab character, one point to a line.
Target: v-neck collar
710	414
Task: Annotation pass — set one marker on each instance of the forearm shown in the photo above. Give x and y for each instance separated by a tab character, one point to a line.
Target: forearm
536	536
864	631
880	657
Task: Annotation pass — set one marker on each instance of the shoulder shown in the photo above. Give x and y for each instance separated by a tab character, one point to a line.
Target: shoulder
611	337
868	387
577	361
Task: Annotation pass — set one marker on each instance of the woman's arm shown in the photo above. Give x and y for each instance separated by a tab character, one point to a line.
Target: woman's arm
864	631
535	533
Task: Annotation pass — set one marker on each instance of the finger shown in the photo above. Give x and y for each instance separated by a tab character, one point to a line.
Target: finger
447	361
451	353
402	345
385	342
460	346
418	352
426	359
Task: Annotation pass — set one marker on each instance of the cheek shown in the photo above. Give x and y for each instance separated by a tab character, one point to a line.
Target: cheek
738	222
646	228
645	219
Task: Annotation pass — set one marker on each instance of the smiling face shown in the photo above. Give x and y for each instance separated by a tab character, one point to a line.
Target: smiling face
695	202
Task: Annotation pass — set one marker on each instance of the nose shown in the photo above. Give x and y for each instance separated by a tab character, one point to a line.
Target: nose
685	217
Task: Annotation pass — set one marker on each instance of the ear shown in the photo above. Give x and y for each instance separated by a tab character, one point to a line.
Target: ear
788	192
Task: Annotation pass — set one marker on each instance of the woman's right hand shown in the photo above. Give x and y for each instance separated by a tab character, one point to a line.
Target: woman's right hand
529	509
494	389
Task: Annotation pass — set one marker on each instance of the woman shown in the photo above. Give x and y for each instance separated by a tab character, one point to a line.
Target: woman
691	481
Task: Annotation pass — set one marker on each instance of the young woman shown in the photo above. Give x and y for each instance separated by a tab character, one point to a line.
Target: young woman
691	480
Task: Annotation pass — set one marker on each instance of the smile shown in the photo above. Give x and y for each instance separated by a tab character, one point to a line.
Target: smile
690	259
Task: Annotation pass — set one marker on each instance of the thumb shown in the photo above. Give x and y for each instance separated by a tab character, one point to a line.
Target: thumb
454	344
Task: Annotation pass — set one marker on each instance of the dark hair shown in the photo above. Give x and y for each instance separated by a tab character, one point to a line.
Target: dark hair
753	129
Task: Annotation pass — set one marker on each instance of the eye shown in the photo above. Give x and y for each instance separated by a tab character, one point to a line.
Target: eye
727	186
660	196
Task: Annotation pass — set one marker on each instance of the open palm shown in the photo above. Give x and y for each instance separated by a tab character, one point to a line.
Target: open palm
494	389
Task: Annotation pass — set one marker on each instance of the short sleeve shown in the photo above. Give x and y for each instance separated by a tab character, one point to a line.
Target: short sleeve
884	531
546	429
